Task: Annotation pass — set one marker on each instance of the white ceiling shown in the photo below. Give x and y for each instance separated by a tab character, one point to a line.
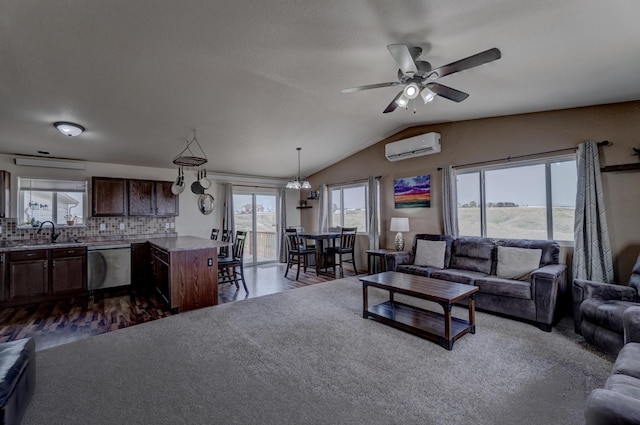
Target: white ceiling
258	78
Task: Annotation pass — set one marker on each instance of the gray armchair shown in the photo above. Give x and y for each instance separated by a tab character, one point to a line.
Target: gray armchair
619	401
598	309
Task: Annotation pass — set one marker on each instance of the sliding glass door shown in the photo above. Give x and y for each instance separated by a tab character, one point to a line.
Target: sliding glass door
255	213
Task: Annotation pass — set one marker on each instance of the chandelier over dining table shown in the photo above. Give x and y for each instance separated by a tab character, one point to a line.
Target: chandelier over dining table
298	182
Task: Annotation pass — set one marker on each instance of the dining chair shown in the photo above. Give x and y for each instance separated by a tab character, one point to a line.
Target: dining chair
296	252
231	268
300	229
214	234
227	236
347	246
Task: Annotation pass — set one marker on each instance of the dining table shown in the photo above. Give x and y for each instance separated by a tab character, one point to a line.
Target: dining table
322	259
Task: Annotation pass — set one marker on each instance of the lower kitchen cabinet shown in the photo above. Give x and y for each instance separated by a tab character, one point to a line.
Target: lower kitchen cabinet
140	265
68	270
42	274
160	272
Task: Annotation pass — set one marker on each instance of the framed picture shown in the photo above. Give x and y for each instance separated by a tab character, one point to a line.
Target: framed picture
412	192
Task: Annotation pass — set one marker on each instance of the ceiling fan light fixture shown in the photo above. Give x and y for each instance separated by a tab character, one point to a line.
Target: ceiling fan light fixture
68	128
403	101
412	91
427	95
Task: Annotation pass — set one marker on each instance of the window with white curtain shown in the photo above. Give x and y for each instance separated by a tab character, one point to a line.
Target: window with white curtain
533	200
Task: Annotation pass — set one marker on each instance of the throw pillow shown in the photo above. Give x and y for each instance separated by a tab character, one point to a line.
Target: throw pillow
517	263
430	253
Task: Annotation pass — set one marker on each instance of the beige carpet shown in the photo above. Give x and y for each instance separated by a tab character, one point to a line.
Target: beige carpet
306	356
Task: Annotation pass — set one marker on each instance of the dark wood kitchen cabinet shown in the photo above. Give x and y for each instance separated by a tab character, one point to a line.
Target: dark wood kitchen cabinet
3	271
28	275
5	197
108	197
68	270
160	272
140	265
43	274
151	198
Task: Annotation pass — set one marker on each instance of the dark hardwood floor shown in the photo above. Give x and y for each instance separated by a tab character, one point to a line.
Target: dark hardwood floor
60	322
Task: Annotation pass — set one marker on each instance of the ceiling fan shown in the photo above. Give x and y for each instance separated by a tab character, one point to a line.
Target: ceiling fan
419	78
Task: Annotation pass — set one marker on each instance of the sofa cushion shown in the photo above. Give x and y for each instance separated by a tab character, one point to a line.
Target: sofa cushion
605	313
15	357
430	253
417	270
550	249
517	263
504	287
474	254
628	361
456	275
429	237
624	384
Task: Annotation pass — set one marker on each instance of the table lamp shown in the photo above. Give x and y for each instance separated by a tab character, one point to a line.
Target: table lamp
399	224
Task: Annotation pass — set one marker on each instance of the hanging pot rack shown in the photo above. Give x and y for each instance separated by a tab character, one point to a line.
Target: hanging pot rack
192	155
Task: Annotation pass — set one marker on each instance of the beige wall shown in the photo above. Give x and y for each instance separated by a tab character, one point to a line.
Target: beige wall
493	138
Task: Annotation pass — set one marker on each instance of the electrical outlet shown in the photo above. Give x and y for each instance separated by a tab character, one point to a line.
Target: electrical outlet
0	230
121	226
103	227
166	225
210	262
173	226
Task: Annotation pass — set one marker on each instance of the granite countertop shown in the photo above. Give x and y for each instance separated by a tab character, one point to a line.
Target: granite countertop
176	243
185	243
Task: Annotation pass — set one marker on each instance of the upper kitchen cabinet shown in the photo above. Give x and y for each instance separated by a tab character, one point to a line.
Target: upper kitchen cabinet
108	197
5	197
151	198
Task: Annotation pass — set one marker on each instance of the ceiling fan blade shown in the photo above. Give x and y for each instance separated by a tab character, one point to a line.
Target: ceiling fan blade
447	92
466	63
393	105
403	57
368	87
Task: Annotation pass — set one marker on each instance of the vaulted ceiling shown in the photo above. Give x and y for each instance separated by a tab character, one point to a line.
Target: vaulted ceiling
259	78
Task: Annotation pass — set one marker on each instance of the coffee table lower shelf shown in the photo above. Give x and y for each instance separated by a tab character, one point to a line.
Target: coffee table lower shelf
418	321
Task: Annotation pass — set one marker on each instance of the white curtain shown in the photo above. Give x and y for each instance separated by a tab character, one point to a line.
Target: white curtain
227	215
592	259
281	211
323	206
449	201
372	207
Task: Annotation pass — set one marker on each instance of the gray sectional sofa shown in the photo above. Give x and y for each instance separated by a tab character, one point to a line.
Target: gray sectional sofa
537	293
619	401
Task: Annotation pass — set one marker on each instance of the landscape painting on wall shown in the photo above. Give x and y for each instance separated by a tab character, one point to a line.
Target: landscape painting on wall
412	192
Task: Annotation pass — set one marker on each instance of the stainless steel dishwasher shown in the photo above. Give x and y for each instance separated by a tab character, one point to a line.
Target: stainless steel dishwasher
108	266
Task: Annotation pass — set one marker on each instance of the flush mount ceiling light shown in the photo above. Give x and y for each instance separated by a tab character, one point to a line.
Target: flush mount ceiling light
298	182
68	128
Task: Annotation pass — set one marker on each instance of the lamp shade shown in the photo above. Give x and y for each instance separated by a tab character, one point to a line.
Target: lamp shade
399	224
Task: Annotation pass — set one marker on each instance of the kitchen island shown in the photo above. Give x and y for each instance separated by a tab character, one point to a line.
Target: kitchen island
185	271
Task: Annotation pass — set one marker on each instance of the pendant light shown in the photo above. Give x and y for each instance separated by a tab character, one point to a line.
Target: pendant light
298	182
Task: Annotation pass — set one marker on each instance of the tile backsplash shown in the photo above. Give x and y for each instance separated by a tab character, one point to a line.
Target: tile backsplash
133	227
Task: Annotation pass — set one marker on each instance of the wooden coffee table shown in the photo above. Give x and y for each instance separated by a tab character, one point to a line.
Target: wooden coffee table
441	328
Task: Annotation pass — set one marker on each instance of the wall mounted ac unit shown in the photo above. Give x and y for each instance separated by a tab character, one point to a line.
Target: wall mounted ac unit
424	144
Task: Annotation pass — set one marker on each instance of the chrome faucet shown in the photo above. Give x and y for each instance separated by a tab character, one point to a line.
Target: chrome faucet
54	235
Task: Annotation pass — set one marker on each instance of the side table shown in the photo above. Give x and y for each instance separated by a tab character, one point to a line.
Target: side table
376	261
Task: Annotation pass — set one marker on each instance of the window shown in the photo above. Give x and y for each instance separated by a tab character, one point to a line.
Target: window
534	200
47	199
348	206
